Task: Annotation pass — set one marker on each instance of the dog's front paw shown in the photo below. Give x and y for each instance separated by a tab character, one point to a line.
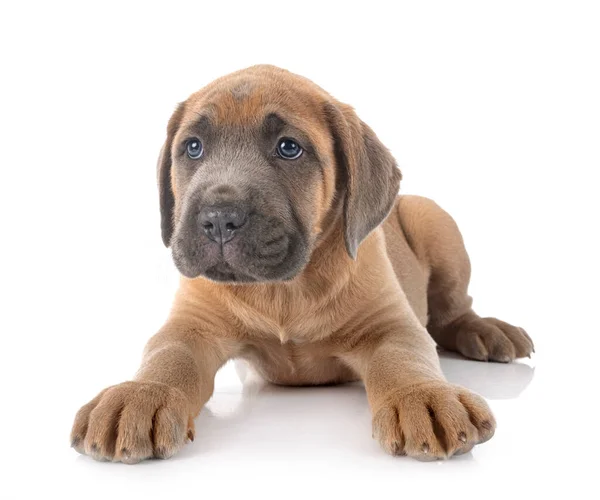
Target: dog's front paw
133	421
433	421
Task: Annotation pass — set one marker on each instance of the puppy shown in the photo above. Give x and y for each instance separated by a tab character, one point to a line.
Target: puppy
281	209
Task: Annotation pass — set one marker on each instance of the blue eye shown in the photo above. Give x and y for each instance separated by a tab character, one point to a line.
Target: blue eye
288	149
194	149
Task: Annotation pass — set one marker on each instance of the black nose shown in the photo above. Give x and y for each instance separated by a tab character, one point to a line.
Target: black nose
221	222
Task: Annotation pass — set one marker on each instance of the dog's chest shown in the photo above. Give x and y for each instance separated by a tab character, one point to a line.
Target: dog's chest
301	326
306	329
300	360
299	313
288	319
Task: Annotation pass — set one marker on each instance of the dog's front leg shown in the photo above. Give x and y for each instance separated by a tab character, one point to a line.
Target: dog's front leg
416	412
153	415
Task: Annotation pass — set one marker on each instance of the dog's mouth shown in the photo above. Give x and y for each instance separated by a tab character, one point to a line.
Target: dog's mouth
223	273
257	253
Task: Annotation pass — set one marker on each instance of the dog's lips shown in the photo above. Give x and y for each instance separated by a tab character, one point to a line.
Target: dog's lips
228	264
269	254
222	273
260	251
275	249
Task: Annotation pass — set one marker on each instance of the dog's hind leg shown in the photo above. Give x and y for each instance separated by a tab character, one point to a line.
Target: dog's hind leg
435	239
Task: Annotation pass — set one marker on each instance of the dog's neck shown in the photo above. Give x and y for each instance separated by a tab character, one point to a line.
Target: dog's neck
288	308
324	277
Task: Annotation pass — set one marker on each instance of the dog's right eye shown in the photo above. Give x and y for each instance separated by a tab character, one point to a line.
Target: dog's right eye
194	148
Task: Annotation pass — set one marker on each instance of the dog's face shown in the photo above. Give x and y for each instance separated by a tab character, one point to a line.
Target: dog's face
253	170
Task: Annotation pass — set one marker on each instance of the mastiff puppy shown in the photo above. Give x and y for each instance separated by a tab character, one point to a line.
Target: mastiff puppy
281	208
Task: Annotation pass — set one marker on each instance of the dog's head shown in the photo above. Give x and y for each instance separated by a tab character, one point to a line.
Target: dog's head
257	166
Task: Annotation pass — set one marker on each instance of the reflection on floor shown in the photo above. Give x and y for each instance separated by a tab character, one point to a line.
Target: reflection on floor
245	410
491	380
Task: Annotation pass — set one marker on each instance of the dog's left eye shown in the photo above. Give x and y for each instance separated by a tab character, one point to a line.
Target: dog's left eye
288	149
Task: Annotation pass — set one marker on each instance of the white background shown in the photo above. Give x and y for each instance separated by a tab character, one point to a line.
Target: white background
491	108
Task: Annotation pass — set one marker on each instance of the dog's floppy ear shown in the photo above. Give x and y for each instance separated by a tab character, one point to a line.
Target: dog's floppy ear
370	174
165	189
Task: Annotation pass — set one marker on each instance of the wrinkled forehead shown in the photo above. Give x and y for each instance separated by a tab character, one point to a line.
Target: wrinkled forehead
249	102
